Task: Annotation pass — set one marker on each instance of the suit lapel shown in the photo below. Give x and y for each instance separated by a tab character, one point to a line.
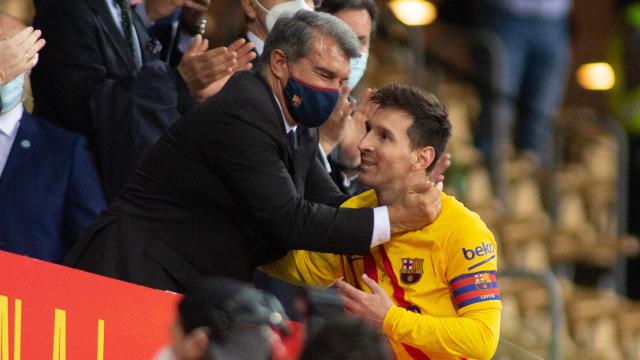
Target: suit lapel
111	29
143	38
276	127
304	155
21	152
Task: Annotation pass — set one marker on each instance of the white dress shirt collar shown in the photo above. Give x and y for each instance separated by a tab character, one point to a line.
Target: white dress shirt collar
9	124
258	44
9	121
287	127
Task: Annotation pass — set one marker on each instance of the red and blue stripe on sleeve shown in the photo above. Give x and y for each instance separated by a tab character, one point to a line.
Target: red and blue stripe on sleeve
475	287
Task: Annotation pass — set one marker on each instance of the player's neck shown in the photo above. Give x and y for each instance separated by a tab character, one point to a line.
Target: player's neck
391	194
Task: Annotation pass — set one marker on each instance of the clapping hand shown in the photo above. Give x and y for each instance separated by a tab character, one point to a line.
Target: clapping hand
206	71
19	53
355	130
333	130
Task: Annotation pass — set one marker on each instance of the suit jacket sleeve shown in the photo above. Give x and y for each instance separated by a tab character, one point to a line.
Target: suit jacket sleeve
84	199
321	188
90	89
250	161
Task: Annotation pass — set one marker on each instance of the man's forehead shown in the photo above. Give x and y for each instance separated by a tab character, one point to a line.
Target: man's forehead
323	46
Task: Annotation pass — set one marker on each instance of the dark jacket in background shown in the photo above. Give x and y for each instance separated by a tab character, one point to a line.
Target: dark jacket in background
86	81
49	191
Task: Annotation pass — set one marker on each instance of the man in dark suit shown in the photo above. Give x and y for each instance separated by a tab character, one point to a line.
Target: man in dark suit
225	190
99	75
49	188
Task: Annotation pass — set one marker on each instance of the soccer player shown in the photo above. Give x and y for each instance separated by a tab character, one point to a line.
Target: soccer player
432	291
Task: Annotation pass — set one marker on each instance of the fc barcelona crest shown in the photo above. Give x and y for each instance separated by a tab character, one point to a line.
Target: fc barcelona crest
482	281
296	100
411	271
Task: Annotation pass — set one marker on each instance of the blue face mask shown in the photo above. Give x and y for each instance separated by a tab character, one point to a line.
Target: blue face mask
11	93
309	105
358	67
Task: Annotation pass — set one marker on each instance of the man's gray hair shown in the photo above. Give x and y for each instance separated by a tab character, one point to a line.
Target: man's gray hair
293	35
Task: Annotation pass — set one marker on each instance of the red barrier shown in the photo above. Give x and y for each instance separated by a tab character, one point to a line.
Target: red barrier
48	311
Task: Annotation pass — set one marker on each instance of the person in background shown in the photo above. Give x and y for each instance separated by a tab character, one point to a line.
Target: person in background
624	102
49	188
221	318
261	15
22	10
19	52
100	76
433	291
347	338
535	37
340	136
206	72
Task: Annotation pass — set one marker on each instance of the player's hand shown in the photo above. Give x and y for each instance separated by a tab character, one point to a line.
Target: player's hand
437	173
372	306
332	131
19	53
419	207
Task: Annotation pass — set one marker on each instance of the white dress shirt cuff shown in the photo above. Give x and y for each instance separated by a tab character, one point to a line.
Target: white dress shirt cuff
381	226
325	160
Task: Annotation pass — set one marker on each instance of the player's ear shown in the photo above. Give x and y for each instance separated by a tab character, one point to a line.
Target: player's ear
424	157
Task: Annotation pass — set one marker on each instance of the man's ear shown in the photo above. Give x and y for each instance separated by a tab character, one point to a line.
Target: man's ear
424	158
196	344
249	9
279	65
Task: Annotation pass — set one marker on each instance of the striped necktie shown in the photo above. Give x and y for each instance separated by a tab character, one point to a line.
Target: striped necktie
126	20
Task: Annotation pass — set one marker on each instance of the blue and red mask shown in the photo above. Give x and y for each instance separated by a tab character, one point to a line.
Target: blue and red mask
309	105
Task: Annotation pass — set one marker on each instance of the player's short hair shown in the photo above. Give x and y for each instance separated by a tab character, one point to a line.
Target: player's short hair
431	126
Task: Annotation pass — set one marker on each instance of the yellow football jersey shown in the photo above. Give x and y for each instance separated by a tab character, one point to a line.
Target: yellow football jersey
442	279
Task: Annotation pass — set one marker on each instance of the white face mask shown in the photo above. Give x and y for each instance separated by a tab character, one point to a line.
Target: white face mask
287	8
11	93
358	67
